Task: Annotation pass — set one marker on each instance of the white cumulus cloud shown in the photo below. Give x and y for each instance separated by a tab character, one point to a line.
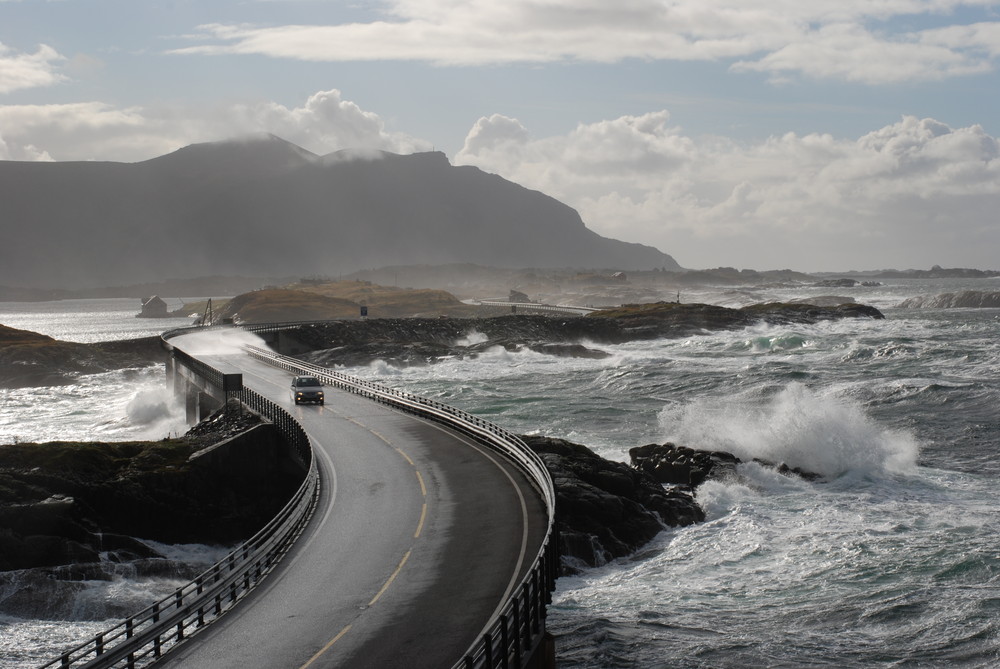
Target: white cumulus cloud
28	70
99	131
911	194
326	122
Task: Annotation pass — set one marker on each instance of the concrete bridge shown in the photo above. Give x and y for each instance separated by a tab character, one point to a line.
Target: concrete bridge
421	536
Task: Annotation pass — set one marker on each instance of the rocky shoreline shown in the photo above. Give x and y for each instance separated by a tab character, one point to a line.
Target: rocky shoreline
69	507
29	359
409	341
73	512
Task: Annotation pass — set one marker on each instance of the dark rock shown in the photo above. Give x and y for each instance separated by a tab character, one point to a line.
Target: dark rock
569	351
836	283
30	359
968	299
518	296
824	300
669	463
68	503
406	341
782	468
604	509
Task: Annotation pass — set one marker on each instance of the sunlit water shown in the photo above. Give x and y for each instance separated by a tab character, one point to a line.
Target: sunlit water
87	321
892	560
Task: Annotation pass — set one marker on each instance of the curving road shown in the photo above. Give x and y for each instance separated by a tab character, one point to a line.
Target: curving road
419	536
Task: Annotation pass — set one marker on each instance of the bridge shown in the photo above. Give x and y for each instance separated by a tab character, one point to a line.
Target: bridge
536	307
421	536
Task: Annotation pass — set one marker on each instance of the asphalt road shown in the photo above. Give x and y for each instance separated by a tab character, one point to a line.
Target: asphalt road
419	537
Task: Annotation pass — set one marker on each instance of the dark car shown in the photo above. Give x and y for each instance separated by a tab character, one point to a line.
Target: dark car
307	389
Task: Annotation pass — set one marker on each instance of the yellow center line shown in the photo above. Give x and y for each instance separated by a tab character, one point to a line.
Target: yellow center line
391	579
326	647
402	562
420	525
400	451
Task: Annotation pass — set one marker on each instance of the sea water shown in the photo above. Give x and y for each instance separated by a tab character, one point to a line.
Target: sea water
892	559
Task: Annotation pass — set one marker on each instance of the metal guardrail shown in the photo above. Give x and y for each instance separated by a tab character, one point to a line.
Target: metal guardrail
142	638
534	306
508	639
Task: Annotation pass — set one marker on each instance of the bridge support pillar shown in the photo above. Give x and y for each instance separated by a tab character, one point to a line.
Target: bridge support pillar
199	405
202	395
191	404
543	656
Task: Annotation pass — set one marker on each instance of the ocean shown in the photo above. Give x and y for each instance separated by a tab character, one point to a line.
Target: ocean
892	559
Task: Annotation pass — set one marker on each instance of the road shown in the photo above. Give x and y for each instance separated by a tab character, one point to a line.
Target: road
420	535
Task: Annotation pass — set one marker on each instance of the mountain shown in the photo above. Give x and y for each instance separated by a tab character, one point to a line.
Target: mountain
265	207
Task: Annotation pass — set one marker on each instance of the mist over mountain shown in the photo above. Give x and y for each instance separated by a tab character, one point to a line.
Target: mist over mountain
265	207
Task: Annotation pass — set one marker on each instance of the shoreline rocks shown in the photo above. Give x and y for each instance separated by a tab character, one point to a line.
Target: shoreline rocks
414	341
672	464
29	359
605	509
968	299
73	510
83	503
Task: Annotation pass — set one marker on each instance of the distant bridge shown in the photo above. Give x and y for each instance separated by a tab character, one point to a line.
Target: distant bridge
421	536
521	307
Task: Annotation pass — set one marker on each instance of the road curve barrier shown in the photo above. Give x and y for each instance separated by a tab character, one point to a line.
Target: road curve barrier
510	639
516	631
144	637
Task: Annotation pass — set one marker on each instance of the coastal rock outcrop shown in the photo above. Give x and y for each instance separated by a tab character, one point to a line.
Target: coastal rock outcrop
967	299
670	463
605	509
32	359
408	341
82	503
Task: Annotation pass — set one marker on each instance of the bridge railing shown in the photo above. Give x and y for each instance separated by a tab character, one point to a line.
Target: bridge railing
483	431
507	641
562	309
142	638
510	638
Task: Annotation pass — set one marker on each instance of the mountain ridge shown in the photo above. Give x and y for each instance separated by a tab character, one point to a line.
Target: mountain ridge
263	206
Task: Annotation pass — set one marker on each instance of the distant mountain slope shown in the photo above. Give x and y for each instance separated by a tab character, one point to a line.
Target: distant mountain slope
265	207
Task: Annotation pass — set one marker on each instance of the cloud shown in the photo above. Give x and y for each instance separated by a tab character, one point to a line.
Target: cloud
19	71
325	123
849	52
99	131
850	40
494	132
911	194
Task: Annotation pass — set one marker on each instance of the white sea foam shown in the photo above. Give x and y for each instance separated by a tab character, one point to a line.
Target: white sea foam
116	406
798	426
155	412
472	338
868	564
219	342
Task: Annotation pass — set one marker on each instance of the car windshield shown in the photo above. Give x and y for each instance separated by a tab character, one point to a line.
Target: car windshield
307	381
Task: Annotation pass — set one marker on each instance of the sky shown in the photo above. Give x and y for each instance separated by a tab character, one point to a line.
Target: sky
827	135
